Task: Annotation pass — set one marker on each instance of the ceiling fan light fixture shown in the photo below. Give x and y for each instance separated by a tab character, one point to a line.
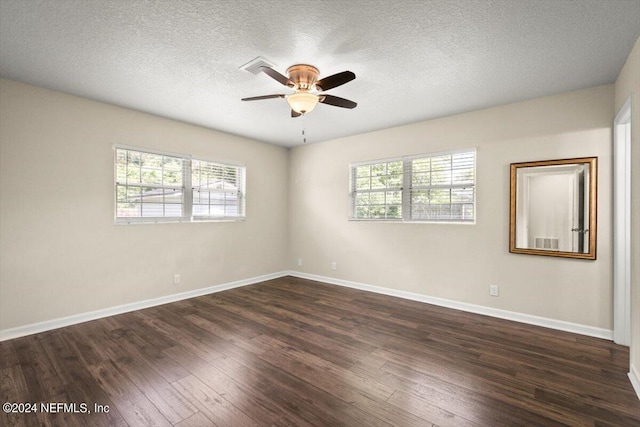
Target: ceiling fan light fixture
302	102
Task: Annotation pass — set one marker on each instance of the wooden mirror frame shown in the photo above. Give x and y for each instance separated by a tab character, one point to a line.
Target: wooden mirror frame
593	208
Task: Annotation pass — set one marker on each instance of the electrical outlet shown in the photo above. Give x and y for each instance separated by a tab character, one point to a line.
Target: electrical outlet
299	262
494	290
176	279
334	266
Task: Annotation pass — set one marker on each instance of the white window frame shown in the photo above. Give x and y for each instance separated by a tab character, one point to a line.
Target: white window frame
186	189
407	188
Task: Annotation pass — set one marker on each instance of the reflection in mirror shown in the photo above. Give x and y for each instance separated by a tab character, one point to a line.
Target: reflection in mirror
553	208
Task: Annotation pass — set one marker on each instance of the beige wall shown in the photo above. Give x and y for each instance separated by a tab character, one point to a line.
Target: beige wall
459	262
60	252
628	84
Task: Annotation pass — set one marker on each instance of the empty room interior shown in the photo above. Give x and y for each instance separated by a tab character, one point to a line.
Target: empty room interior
290	213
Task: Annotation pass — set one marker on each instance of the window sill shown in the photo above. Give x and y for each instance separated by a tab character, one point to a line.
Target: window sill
399	221
177	221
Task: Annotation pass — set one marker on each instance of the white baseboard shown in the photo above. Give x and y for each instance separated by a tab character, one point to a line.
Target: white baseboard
34	328
472	308
635	379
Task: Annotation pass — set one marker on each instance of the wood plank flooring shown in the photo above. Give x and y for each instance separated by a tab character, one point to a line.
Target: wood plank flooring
293	352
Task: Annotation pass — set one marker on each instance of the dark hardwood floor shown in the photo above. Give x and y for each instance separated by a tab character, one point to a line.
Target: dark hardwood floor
296	352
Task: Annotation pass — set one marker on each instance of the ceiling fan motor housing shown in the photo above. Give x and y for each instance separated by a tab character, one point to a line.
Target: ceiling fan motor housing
303	75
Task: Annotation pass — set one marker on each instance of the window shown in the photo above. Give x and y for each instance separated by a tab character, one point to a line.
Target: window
432	188
378	190
149	185
152	187
443	187
218	190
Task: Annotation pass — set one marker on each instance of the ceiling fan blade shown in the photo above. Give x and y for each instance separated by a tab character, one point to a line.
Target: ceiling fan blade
295	114
256	98
335	80
277	76
337	101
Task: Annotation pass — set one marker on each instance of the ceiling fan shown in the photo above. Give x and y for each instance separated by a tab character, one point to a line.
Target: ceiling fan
303	79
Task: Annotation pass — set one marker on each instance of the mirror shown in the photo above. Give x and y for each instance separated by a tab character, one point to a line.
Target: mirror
553	208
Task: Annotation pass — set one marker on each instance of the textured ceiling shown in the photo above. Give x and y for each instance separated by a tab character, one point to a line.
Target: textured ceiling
414	60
